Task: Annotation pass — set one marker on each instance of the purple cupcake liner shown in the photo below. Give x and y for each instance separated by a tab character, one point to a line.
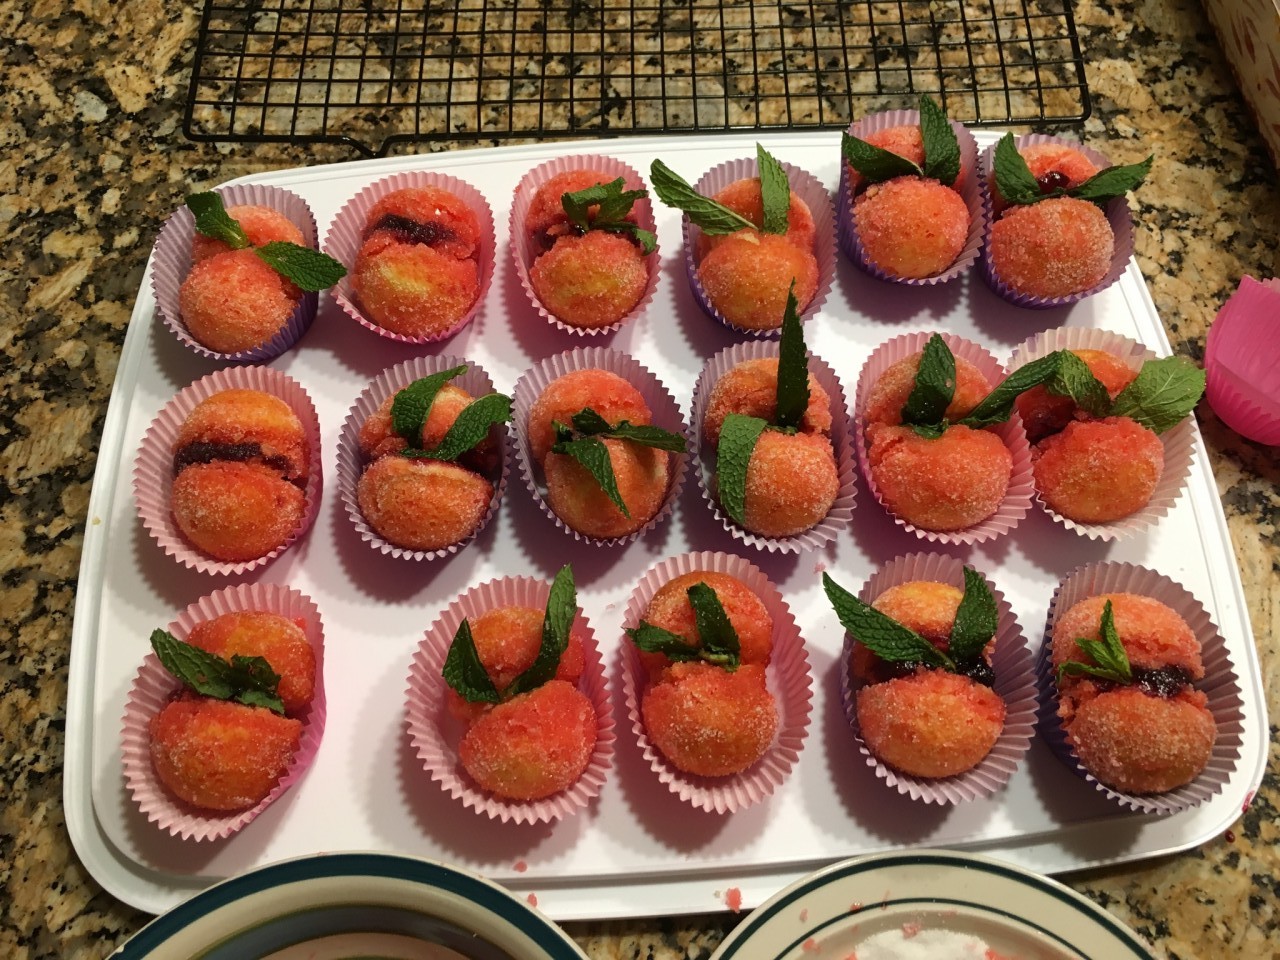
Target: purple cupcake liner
171	262
351	462
1117	212
840	516
1221	684
346	237
522	251
665	411
1015	682
814	195
969	191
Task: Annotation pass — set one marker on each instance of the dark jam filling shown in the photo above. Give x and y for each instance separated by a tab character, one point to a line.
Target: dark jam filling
1165	682
979	671
410	231
1053	180
240	452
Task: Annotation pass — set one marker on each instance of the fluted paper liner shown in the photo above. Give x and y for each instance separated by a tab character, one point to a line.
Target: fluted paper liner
1178	441
171	262
351	462
788	678
1242	361
435	733
1221	684
153	470
665	410
154	687
345	238
815	196
1117	212
969	190
1015	682
522	249
840	515
1017	499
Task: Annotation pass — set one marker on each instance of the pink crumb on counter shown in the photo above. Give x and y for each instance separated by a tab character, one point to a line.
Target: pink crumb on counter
811	946
533	899
733	899
804	916
819	567
521	866
1248	799
855	907
910	930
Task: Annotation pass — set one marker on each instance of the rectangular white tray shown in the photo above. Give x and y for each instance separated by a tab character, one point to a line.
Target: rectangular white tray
638	851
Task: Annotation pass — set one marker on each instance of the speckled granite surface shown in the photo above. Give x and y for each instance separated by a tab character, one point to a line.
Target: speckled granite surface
92	95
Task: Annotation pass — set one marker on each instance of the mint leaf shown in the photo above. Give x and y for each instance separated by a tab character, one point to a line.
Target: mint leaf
941	148
411	405
648	436
471	426
930	431
793	367
714	218
738	437
212	220
934	387
303	267
653	639
874	164
1112	182
594	455
775	192
612	201
976	619
247	680
1162	394
464	671
1074	379
589	423
1013	176
718	639
1110	662
562	605
997	407
881	634
256	683
647	239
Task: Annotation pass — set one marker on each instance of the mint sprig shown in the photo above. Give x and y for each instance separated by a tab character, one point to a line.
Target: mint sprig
592	453
1113	182
247	680
717	640
471	426
976	619
562	606
941	147
997	406
934	388
1110	662
775	192
612	203
875	164
738	437
881	634
213	221
714	218
1014	179
793	368
584	443
1019	186
1074	379
305	268
412	405
464	671
1162	394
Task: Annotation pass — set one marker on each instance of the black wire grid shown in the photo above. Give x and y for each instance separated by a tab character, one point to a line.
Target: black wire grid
375	74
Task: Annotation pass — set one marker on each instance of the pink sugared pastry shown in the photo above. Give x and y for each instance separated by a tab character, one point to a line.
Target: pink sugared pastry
235	511
747	275
672	610
911	227
1043	413
422	504
792	482
278	640
890	392
245	425
1099	471
426	216
233	301
261	225
606	393
744	198
751	389
1054	248
413	289
643	475
546	220
590	281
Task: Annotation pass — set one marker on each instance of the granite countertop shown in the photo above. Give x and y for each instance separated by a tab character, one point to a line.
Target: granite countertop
93	96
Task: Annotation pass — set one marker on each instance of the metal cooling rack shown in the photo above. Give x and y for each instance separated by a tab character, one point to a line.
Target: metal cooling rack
375	74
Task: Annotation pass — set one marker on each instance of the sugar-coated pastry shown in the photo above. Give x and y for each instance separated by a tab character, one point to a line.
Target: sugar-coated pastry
220	755
791	484
377	438
751	389
413	289
1054	248
546	220
911	227
744	197
422	504
235	511
426	216
590	281
642	474
747	275
671	609
261	225
924	606
233	301
1043	413
1055	166
608	394
1153	635
905	141
890	391
1098	471
245	425
278	640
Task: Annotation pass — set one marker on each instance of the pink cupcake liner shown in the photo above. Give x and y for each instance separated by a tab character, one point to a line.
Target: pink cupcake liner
171	262
969	190
351	462
1117	211
815	196
1017	499
153	470
1178	442
1015	682
154	687
1221	683
788	679
435	734
346	233
666	414
522	249
841	514
1242	361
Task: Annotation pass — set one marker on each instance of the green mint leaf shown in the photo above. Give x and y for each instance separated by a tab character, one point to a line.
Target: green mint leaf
1013	176
882	635
594	455
738	438
464	671
714	218
941	148
411	406
1116	657
1074	379
1162	394
1076	669
612	203
930	431
793	367
647	239
874	164
1112	182
976	619
563	434
718	638
562	606
212	220
997	407
471	426
257	698
589	423
934	387
197	669
775	192
652	639
648	436
303	267
1110	662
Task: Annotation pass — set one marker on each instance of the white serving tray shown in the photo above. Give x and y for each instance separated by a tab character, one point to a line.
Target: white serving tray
638	851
